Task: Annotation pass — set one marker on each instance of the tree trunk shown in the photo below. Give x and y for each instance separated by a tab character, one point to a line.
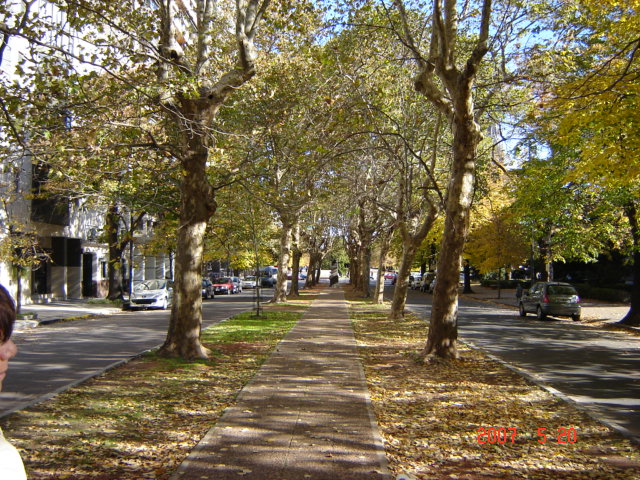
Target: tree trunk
633	315
308	283
116	247
402	281
366	271
295	264
280	293
197	206
443	328
378	297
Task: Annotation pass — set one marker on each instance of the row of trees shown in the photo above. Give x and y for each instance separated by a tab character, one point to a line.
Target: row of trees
372	122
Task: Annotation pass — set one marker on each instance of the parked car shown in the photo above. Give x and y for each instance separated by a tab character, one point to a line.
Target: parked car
267	282
224	286
249	282
391	276
551	298
207	289
237	283
428	282
152	294
414	280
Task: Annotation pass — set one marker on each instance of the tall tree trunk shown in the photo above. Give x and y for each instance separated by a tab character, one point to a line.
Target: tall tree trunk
365	265
410	243
378	296
402	281
443	329
295	264
280	293
308	283
197	206
116	248
633	315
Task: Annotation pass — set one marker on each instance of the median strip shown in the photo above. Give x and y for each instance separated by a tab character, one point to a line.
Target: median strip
141	420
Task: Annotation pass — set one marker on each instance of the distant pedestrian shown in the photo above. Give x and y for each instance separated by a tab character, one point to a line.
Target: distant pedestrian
519	291
11	467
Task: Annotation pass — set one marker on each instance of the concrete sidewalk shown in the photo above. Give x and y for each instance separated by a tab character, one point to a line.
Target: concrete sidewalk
306	414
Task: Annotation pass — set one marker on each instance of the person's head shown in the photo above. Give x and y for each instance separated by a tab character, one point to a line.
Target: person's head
7	319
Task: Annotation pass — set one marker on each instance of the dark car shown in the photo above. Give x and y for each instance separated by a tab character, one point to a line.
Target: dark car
207	289
551	298
224	286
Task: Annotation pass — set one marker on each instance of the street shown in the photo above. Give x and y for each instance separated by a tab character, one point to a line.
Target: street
598	369
53	357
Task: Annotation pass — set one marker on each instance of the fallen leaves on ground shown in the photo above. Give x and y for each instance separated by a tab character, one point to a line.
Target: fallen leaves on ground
430	415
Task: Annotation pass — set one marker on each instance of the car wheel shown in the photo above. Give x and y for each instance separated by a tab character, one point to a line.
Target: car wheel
540	314
575	318
523	312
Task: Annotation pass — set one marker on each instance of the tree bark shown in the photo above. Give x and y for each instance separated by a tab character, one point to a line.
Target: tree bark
443	329
440	70
402	281
197	206
280	293
116	248
633	315
193	116
295	263
378	296
309	282
365	260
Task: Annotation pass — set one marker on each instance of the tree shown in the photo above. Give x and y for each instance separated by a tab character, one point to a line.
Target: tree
497	239
448	83
591	108
291	143
184	61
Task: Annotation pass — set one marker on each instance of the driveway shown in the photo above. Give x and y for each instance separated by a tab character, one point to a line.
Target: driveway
598	369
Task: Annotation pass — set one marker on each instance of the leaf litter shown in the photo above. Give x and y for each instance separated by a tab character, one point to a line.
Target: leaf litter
430	414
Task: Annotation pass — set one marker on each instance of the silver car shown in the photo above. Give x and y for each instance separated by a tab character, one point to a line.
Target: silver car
152	294
551	298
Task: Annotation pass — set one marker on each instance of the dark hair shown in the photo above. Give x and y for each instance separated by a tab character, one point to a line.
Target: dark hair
7	315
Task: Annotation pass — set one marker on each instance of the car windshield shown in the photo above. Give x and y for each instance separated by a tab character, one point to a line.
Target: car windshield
249	279
223	280
151	285
561	290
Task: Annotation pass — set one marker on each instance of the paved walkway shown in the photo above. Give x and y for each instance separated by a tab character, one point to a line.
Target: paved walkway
306	414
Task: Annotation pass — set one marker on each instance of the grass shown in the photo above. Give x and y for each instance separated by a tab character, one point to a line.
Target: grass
141	420
430	414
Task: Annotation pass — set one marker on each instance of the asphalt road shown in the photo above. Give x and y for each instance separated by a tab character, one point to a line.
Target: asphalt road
598	369
53	357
